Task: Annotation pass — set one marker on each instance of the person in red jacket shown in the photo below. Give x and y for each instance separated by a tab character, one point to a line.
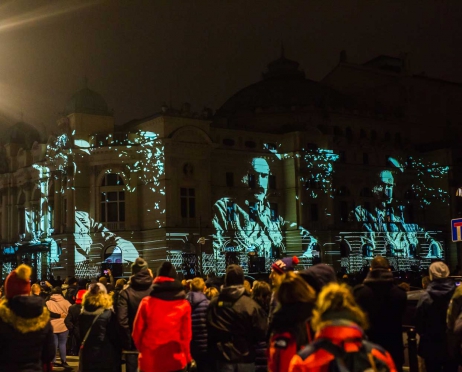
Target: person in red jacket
339	341
162	329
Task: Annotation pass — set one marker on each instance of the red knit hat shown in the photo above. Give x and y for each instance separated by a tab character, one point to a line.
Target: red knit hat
18	282
285	265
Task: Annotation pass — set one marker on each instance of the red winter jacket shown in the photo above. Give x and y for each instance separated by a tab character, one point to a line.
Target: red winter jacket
162	328
341	333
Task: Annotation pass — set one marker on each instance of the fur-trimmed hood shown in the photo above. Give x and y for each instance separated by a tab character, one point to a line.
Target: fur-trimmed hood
24	313
95	304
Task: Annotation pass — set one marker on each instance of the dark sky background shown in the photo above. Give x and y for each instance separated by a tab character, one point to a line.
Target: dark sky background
138	54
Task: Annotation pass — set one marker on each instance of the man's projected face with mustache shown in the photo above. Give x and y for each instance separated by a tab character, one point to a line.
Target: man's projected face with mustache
261	171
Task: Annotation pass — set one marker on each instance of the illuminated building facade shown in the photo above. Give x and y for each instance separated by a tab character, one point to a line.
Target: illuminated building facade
335	171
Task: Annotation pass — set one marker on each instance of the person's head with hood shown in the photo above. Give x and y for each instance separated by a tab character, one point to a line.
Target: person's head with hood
234	276
318	276
96	298
380	263
24	312
438	271
280	267
334	303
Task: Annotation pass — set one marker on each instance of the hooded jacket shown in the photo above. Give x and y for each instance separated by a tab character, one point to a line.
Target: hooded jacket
385	304
101	352
431	319
162	328
26	335
58	304
453	321
199	304
129	300
346	335
235	324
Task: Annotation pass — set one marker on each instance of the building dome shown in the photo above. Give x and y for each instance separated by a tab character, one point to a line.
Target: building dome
283	86
87	101
22	134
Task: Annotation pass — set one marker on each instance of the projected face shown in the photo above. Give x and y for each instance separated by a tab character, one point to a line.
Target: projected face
384	189
260	170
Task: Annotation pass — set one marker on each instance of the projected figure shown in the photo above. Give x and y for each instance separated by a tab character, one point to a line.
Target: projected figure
86	249
400	239
252	224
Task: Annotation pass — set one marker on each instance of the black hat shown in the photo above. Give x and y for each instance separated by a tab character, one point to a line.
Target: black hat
167	269
234	275
139	265
318	276
57	290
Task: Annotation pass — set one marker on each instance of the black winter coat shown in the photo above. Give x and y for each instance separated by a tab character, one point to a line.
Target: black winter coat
28	345
72	321
101	352
431	319
235	324
71	293
127	305
385	304
199	304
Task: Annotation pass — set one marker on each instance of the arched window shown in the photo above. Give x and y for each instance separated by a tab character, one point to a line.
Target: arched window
112	211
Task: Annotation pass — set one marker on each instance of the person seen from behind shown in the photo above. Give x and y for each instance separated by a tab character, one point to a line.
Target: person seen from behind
290	329
235	324
339	342
431	314
26	334
162	327
385	304
211	293
261	294
58	304
139	286
72	323
100	346
199	304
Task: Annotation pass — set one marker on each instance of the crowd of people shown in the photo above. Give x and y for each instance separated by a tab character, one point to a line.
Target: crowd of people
294	322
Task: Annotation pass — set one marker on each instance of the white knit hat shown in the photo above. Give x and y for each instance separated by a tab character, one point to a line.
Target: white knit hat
438	270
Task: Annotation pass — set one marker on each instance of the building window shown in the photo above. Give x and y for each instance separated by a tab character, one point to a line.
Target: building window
251	179
64	212
314	212
274	212
230	179
272	182
365	158
342	157
253	212
188	203
366	192
230	211
112	207
344	211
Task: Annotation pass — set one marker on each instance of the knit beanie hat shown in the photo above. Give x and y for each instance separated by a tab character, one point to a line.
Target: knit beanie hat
285	265
234	275
79	297
318	276
139	265
167	269
18	282
438	270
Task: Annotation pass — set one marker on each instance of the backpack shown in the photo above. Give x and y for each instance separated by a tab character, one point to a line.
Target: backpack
359	361
281	348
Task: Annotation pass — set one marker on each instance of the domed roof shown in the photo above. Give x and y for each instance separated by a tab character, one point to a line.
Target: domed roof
282	86
87	101
22	134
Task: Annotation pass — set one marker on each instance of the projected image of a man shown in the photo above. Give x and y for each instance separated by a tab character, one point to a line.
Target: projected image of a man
249	224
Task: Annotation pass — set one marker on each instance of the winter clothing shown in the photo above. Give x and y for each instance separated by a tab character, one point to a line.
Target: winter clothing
167	270
199	304
431	320
139	265
26	335
438	270
129	300
385	304
234	275
453	321
341	333
72	324
285	264
59	305
318	276
101	352
71	293
235	324
162	327
18	282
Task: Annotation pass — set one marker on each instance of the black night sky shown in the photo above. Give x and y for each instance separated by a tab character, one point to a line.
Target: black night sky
138	54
